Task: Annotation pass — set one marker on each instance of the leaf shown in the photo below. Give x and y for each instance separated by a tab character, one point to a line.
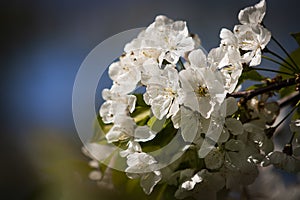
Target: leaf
296	114
296	36
155	124
255	86
161	139
295	55
140	100
141	114
250	75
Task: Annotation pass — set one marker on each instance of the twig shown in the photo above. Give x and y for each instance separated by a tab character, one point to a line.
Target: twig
290	99
248	94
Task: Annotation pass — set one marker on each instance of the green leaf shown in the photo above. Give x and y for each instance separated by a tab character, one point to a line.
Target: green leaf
250	75
141	115
296	36
162	138
296	114
255	86
140	100
296	57
156	124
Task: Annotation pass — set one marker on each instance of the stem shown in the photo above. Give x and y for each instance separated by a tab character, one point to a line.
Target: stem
290	99
292	138
275	61
285	51
161	192
246	95
279	57
272	70
291	111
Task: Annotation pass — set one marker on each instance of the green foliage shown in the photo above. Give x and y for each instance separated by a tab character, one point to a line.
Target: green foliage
296	36
250	74
162	138
295	55
297	114
141	113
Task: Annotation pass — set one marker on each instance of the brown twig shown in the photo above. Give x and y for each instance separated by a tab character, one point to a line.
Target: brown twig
248	94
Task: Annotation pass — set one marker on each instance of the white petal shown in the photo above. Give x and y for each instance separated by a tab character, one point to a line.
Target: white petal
197	59
149	180
253	14
143	134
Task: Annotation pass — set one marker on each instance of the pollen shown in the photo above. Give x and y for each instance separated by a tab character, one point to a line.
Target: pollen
202	91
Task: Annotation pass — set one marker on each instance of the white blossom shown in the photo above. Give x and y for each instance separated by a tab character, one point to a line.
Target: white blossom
202	88
252	39
125	77
227	60
125	128
142	165
115	105
253	14
133	147
162	93
170	38
203	184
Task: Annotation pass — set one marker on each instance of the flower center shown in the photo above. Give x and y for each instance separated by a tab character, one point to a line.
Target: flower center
170	91
202	91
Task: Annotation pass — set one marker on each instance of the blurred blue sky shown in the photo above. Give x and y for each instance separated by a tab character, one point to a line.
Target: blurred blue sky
47	41
43	44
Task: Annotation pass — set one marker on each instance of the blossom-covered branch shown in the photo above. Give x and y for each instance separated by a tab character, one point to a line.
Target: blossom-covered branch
188	107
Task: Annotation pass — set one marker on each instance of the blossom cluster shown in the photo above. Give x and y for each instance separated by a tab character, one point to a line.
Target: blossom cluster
188	88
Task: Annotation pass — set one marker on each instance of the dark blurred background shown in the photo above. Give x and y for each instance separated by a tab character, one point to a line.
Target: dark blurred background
43	44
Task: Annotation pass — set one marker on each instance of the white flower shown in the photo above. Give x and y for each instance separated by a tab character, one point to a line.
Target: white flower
227	60
144	166
162	93
122	129
228	38
253	14
133	147
169	37
195	92
150	70
190	184
116	104
202	88
125	77
252	39
191	124
203	184
125	128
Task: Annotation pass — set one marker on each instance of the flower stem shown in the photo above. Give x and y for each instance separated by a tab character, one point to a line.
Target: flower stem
161	192
281	58
272	70
291	111
284	50
275	61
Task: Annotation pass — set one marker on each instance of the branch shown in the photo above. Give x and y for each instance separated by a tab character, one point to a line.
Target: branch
246	95
289	100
